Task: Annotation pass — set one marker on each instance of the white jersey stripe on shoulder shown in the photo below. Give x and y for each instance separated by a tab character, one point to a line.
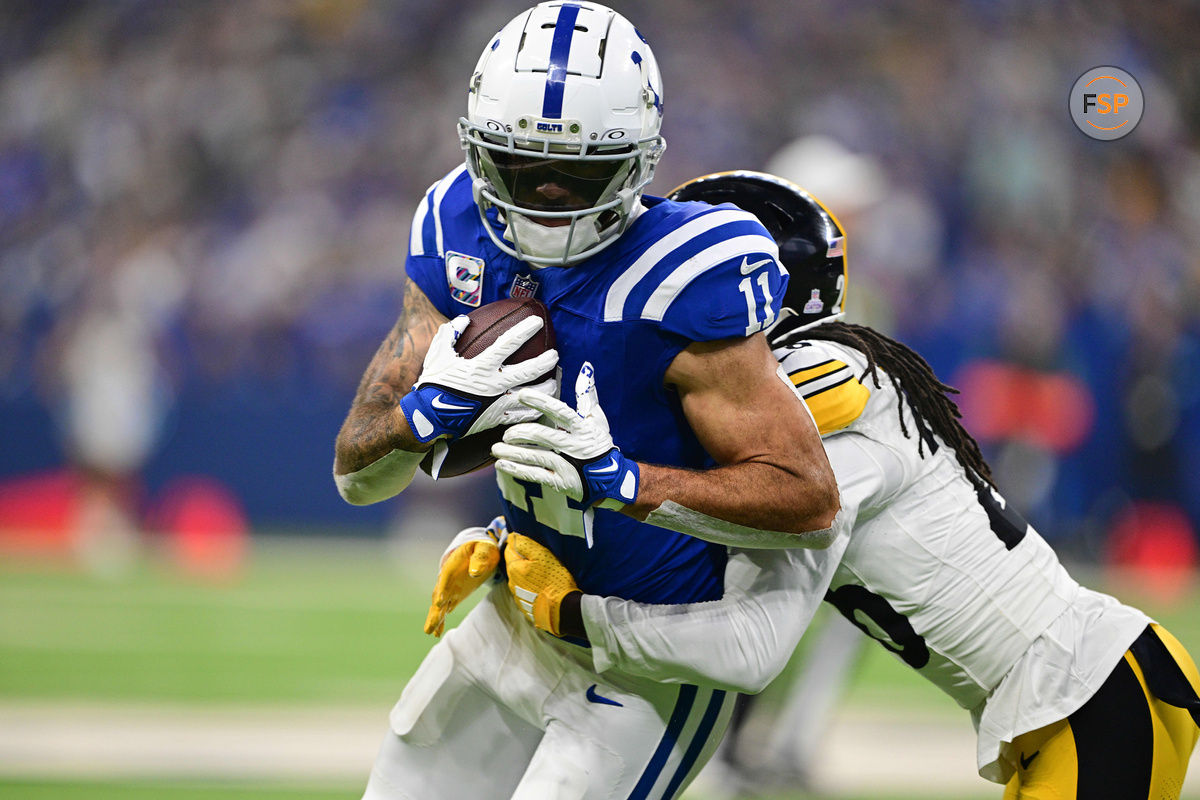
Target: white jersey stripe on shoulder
618	293
808	354
656	307
438	194
416	238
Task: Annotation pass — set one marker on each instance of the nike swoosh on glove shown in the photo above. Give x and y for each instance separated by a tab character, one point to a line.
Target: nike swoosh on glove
571	450
456	396
469	560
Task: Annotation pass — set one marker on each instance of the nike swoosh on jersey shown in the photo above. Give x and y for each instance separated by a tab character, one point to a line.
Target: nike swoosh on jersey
747	267
441	405
1025	762
596	698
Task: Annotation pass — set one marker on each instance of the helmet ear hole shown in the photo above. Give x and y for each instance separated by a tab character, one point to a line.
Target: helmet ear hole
811	240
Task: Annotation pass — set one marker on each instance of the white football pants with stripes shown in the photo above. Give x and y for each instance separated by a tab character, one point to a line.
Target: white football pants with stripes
499	710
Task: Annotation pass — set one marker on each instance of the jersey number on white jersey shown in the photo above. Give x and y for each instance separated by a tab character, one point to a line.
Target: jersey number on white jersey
874	616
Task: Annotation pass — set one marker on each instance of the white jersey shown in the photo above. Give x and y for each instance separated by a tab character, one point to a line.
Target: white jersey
951	580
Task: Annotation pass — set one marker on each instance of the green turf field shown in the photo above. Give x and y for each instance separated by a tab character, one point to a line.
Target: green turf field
327	625
305	626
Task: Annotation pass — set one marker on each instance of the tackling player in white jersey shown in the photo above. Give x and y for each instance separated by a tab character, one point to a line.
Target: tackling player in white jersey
658	308
1072	693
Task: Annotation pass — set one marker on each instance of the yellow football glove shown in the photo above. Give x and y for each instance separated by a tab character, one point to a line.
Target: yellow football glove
537	581
471	559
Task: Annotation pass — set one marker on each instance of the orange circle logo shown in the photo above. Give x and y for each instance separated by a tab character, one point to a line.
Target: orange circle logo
1106	103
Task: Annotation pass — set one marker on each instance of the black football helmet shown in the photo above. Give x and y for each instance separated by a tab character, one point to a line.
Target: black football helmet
812	244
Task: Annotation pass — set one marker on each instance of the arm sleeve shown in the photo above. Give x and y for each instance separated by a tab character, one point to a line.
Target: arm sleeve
742	641
739	643
379	480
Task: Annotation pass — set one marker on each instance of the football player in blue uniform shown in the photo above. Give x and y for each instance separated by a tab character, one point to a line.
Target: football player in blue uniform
1073	694
658	309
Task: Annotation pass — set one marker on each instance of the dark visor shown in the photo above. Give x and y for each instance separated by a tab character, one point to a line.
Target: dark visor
549	184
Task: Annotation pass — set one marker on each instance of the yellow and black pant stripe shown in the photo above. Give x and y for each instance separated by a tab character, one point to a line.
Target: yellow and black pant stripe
1131	741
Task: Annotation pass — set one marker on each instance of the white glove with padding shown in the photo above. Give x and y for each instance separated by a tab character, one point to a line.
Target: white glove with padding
571	449
456	396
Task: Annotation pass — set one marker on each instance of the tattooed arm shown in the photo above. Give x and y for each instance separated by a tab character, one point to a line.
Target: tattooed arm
376	453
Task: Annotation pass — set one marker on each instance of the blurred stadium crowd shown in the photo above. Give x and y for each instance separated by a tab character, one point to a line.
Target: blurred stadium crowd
204	210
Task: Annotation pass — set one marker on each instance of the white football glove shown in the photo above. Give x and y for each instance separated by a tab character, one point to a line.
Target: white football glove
456	396
574	453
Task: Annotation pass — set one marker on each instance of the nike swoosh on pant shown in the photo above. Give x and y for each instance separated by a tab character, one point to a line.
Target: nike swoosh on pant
596	698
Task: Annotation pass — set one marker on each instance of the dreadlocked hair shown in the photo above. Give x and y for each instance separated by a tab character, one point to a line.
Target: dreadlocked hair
915	381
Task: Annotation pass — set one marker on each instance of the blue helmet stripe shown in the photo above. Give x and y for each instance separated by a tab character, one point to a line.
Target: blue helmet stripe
560	50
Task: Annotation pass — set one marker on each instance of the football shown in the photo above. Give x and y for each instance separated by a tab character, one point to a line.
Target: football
449	458
488	322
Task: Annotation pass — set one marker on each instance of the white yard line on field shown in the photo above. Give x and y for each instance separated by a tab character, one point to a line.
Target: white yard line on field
56	740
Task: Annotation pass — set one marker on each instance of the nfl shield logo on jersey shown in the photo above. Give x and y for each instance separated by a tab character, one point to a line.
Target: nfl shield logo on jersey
814	305
465	276
523	286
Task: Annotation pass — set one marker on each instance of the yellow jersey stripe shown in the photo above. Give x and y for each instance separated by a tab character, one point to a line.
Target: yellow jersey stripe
817	370
837	406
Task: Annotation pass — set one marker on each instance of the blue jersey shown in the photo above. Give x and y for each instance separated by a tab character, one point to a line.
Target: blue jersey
681	273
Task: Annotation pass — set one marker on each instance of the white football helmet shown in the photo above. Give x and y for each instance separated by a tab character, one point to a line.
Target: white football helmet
562	130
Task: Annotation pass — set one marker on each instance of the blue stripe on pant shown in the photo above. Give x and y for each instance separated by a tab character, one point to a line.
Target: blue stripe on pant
684	706
698	741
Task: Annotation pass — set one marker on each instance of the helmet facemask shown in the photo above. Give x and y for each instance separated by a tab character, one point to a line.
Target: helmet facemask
559	206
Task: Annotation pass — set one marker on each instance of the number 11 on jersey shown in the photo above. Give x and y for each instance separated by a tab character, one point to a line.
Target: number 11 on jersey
752	304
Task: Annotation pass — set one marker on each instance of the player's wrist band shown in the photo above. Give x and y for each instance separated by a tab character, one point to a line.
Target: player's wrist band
433	411
611	476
